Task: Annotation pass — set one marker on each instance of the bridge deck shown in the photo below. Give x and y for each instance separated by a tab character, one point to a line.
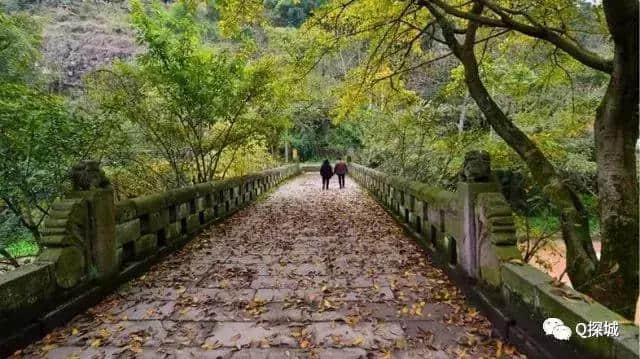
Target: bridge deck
305	273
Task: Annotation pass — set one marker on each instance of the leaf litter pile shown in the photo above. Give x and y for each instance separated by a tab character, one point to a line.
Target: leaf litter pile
304	273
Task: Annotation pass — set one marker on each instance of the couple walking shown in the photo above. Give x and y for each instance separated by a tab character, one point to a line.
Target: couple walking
326	172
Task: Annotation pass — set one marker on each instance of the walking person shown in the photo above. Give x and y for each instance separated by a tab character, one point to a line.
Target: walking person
326	172
341	170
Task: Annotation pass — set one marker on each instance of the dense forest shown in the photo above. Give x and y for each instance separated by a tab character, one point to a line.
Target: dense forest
167	94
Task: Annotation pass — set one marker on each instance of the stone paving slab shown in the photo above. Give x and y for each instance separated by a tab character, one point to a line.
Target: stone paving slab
305	273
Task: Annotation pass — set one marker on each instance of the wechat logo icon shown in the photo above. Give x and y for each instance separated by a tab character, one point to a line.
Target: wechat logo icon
555	327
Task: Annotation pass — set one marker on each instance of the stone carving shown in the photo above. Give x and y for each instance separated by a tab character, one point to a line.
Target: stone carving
496	236
87	175
64	239
477	167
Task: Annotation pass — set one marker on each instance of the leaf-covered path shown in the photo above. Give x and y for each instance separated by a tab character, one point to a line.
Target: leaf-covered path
304	273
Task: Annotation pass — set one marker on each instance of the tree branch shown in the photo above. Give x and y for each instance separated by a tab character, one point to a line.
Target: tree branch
548	34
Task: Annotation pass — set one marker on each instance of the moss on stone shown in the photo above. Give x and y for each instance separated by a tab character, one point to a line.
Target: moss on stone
26	286
127	231
522	279
491	275
69	265
193	224
65	204
145	245
625	346
158	220
125	211
61	240
574	311
507	238
180	195
182	210
208	215
172	232
505	253
150	203
201	203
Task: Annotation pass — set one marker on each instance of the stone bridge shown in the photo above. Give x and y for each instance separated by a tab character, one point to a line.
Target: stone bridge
271	266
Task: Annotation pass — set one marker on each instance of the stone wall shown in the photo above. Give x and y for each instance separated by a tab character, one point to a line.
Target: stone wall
429	212
471	233
92	244
146	223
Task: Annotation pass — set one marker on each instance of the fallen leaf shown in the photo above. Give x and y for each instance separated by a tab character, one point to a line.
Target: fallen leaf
358	341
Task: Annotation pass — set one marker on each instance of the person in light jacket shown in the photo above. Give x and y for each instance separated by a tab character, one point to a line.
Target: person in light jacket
341	170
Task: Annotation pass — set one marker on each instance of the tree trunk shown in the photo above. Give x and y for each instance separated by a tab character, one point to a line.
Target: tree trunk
616	133
463	115
581	257
286	151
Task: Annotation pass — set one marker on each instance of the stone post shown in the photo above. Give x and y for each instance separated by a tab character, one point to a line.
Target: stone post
475	178
90	183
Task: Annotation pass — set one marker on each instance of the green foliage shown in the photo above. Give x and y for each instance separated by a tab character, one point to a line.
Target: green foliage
187	101
20	42
549	95
291	12
23	246
236	15
37	138
313	133
40	137
15	239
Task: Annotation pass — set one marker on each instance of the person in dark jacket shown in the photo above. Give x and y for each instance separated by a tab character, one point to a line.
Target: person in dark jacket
326	172
341	170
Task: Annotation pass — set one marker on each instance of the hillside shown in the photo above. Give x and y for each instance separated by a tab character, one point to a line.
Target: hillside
79	36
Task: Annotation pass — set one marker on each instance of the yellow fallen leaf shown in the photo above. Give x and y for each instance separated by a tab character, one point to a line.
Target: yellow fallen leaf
400	343
358	341
135	347
49	347
211	346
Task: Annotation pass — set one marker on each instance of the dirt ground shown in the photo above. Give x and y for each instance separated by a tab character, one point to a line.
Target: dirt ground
554	255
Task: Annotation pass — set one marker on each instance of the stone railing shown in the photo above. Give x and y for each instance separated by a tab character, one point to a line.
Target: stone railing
310	166
471	233
92	244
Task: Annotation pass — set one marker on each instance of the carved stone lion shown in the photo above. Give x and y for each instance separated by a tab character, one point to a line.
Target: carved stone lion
87	175
477	167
